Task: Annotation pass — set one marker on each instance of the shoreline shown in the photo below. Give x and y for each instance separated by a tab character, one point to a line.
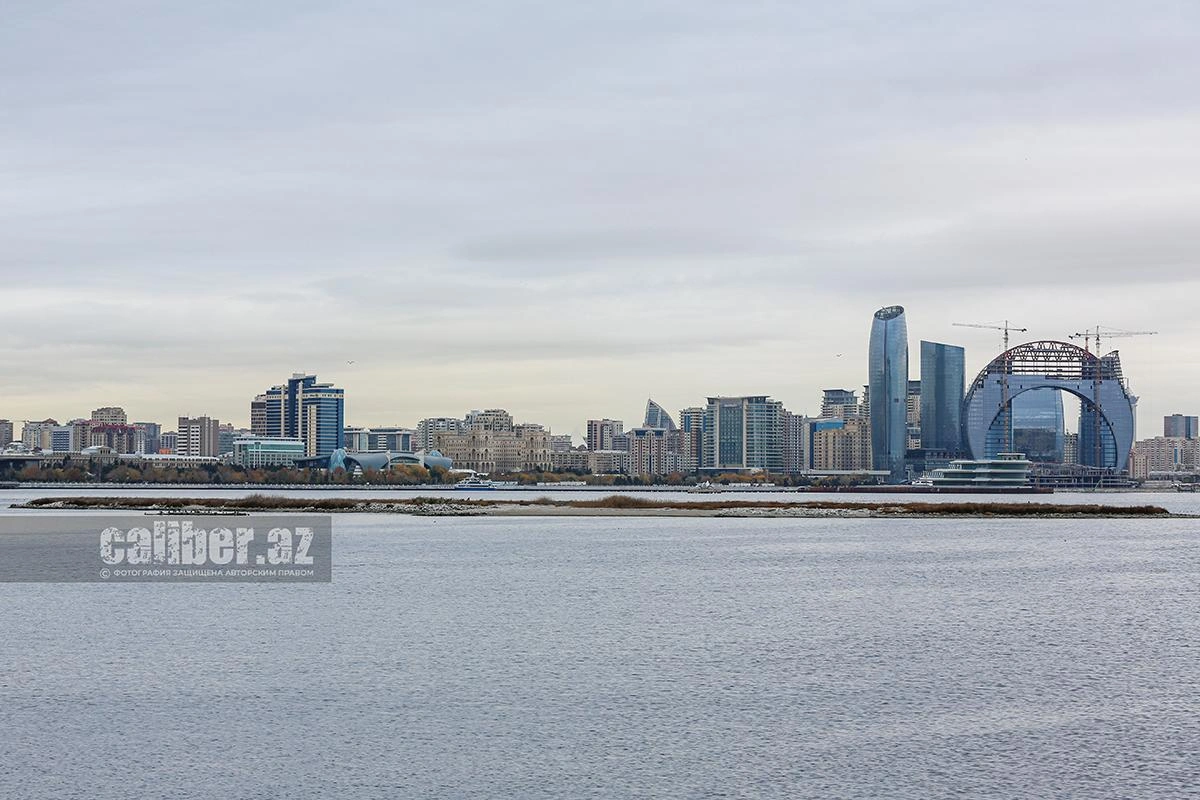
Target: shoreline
607	507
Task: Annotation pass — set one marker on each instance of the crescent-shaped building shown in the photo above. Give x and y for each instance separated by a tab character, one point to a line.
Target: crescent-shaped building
1106	419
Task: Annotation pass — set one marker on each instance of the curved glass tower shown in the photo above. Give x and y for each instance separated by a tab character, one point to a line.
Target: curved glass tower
888	382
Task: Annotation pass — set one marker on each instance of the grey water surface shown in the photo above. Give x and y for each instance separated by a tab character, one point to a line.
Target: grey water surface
623	657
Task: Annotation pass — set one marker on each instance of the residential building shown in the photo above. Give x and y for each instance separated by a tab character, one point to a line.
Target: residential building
110	415
942	388
602	433
119	438
197	436
1169	454
429	428
795	443
653	451
1179	426
6	432
167	443
841	445
838	403
1070	448
888	371
691	427
146	437
912	416
742	433
491	419
258	415
560	443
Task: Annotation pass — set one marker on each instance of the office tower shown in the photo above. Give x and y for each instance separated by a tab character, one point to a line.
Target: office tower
197	436
888	381
1179	426
1039	425
743	433
306	410
943	384
602	433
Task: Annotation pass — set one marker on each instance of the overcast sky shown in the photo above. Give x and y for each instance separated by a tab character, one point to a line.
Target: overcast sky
561	208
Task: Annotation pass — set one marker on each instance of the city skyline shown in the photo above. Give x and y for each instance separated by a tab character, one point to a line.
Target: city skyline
576	423
572	208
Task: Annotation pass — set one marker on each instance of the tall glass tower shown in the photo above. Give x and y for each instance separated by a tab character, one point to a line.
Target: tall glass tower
943	382
888	373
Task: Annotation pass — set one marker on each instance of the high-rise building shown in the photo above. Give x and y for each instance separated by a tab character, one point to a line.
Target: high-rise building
6	432
258	415
560	443
1039	425
116	437
429	428
657	417
888	372
742	433
838	404
36	435
110	415
198	436
943	385
602	433
147	437
307	410
795	443
653	451
1071	448
691	427
841	445
1180	426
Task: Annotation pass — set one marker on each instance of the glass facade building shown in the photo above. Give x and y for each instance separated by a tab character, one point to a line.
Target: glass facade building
943	384
306	410
1039	425
888	382
743	433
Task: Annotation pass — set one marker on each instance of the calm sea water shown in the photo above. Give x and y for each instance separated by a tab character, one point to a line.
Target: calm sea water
565	657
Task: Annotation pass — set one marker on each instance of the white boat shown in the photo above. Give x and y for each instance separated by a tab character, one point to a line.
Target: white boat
475	482
705	487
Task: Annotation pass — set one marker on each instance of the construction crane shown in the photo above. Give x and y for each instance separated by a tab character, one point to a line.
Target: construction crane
1097	376
1111	333
1005	402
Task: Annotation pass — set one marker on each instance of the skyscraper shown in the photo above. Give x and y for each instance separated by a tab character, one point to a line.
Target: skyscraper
888	381
743	433
307	410
943	383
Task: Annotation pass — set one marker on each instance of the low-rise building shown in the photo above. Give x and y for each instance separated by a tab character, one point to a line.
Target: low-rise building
259	452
